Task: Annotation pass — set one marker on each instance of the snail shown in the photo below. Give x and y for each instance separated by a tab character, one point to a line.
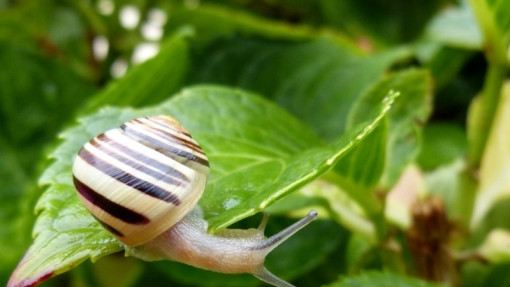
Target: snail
142	182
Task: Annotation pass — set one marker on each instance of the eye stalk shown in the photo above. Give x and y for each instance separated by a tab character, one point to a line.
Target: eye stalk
142	182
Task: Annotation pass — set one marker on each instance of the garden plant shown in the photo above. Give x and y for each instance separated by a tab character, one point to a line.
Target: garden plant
391	119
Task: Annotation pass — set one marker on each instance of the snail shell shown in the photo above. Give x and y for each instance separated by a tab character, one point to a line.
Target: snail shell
142	178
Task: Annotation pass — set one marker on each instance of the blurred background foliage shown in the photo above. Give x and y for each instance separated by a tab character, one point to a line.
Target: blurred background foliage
60	59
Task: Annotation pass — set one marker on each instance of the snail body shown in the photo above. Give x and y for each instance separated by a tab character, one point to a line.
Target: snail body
142	182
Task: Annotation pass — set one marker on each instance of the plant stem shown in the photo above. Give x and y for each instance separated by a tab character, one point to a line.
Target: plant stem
482	110
481	116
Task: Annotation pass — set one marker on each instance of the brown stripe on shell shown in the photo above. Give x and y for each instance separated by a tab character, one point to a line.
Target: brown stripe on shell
127	178
109	227
116	210
143	164
162	146
187	140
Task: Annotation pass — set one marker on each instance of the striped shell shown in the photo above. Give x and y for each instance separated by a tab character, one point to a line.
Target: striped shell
140	179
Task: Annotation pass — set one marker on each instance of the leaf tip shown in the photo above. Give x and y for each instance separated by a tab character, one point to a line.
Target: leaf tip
389	99
19	277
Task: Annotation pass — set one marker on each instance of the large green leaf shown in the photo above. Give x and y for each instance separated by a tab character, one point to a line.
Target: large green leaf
258	154
317	80
209	22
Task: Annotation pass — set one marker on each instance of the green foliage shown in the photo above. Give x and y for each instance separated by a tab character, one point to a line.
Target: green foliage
442	144
140	88
303	77
348	107
381	279
456	27
404	121
247	173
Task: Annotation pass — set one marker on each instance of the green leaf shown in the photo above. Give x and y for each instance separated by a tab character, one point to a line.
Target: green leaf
303	77
364	165
382	22
258	154
445	64
495	246
265	165
209	22
382	279
442	144
405	120
456	26
348	205
386	152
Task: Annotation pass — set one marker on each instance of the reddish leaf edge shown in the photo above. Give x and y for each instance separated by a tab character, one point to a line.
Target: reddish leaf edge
16	281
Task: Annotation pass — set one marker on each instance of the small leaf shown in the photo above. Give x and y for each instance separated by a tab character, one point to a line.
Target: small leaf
258	154
382	279
364	165
405	120
456	26
496	247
